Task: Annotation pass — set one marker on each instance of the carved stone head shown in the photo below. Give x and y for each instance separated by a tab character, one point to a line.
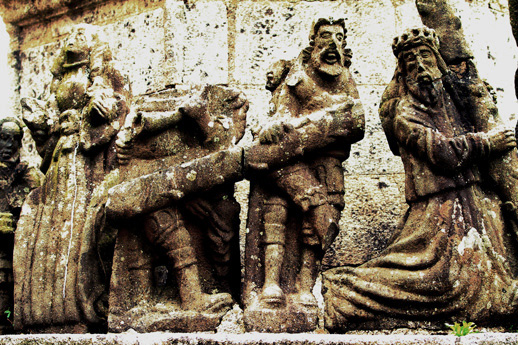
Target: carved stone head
327	41
276	73
418	56
10	139
83	46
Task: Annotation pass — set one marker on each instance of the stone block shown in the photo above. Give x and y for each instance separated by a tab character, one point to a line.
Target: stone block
289	320
137	46
372	154
406	16
197	42
371	29
35	66
138	49
374	205
269	31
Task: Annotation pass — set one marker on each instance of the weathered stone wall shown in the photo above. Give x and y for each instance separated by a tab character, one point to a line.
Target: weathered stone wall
175	44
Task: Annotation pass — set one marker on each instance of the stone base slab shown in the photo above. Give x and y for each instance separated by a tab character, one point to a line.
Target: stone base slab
149	320
291	319
259	339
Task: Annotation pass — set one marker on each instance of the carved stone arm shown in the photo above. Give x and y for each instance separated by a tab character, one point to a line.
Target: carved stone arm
151	192
41	119
344	124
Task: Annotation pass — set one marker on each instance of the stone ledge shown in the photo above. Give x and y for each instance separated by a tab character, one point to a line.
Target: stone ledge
258	339
24	12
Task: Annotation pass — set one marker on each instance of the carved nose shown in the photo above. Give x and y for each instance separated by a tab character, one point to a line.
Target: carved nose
420	66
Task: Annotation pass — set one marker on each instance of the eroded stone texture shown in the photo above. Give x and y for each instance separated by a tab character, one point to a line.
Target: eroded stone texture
374	206
137	43
450	258
513	16
59	278
17	179
188	29
176	261
295	204
160	44
372	155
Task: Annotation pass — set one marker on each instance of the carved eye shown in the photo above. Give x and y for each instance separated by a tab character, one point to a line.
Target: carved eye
340	37
425	53
410	57
325	34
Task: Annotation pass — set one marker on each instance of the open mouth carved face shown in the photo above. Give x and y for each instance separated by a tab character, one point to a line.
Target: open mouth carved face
76	47
424	78
328	54
331	56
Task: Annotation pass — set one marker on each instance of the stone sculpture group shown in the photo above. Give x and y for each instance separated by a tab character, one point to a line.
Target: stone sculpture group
135	224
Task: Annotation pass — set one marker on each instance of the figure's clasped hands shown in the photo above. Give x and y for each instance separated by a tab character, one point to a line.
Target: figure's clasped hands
274	132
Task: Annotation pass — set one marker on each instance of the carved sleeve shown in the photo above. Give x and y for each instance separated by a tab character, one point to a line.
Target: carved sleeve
443	153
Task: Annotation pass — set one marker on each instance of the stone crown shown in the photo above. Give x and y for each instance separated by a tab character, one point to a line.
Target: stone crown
413	37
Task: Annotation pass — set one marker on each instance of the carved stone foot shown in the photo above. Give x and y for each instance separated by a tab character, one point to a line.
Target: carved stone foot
272	296
170	317
305	299
210	303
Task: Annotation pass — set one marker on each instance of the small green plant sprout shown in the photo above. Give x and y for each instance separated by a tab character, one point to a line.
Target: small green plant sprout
462	330
7	313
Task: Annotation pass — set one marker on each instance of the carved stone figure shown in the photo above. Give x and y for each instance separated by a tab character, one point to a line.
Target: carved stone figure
449	259
60	284
17	179
295	206
176	265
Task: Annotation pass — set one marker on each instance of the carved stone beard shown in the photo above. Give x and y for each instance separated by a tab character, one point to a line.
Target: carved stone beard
328	61
426	91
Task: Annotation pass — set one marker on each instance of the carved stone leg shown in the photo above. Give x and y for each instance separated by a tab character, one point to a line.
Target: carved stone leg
180	307
279	305
322	222
166	230
192	296
307	277
275	218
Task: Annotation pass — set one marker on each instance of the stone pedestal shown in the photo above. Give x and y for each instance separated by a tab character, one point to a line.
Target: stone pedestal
164	317
292	318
